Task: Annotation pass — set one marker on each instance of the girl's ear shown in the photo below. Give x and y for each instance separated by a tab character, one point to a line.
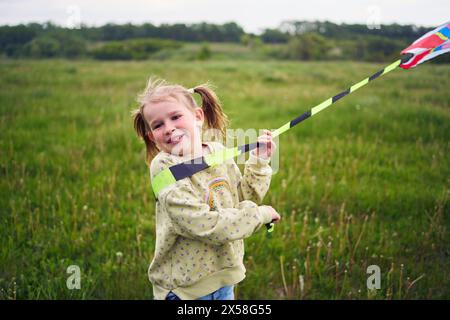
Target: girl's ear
199	115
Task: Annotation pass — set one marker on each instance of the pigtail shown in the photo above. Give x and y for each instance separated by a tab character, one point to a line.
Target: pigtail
212	109
142	131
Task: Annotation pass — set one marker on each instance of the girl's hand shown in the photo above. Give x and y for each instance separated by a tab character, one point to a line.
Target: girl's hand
266	145
275	216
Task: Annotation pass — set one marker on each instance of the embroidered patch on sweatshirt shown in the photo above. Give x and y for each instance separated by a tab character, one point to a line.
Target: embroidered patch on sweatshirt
218	189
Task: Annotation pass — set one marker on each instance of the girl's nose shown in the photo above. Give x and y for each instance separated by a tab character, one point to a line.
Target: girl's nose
169	129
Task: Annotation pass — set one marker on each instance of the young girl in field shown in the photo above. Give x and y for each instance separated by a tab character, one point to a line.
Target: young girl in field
201	221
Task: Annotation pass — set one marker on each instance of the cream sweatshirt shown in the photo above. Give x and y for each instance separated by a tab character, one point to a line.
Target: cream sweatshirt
201	222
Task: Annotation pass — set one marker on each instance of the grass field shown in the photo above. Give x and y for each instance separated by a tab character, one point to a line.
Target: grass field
366	182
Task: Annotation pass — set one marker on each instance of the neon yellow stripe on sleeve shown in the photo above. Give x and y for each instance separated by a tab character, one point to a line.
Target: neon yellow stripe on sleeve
162	180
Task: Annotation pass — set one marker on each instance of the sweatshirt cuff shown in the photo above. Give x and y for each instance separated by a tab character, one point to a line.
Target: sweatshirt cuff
265	213
257	161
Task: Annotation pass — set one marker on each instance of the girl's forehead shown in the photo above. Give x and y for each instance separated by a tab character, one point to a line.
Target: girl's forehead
163	108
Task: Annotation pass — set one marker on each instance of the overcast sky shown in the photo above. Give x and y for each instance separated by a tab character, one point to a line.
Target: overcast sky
252	15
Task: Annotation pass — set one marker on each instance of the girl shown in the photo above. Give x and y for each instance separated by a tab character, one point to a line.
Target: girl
201	221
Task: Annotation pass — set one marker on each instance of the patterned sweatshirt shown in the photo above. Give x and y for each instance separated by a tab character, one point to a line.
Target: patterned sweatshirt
201	222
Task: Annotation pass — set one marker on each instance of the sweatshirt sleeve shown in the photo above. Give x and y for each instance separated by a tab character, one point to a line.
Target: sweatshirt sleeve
192	218
256	180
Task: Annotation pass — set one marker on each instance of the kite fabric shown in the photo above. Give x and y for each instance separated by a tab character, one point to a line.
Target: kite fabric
429	46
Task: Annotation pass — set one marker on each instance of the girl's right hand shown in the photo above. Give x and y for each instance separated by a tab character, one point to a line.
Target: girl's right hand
275	216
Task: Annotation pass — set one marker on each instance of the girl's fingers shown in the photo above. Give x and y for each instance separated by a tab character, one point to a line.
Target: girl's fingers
266	140
268	146
265	137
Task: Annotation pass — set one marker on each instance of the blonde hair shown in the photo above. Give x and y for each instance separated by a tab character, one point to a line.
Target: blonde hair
158	90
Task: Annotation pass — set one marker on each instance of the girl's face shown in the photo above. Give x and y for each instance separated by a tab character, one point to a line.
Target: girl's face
174	128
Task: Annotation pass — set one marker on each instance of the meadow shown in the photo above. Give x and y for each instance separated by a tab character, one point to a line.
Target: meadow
365	182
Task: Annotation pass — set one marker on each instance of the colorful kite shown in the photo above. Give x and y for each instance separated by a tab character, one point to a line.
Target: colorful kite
429	46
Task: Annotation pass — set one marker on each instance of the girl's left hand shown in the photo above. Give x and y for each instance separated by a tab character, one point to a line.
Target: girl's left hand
266	145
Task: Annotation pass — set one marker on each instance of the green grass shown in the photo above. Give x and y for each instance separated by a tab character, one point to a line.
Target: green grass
364	182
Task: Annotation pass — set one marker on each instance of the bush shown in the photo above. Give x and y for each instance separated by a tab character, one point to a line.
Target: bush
204	53
308	46
42	47
137	49
72	46
112	51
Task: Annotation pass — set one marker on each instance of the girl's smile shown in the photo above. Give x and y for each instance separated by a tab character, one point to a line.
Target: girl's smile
175	139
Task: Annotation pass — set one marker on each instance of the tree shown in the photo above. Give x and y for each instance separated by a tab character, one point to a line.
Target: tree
274	36
309	46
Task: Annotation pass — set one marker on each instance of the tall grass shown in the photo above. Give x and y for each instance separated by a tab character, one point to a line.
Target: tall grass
365	182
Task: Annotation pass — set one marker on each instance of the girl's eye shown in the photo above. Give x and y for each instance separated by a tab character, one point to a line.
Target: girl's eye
176	117
157	126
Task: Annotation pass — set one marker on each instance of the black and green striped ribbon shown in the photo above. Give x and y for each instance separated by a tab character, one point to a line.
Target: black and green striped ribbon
186	169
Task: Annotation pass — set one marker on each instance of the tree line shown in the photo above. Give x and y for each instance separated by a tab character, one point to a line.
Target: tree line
301	40
49	40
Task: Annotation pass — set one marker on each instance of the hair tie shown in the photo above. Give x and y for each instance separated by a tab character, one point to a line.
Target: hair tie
191	90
